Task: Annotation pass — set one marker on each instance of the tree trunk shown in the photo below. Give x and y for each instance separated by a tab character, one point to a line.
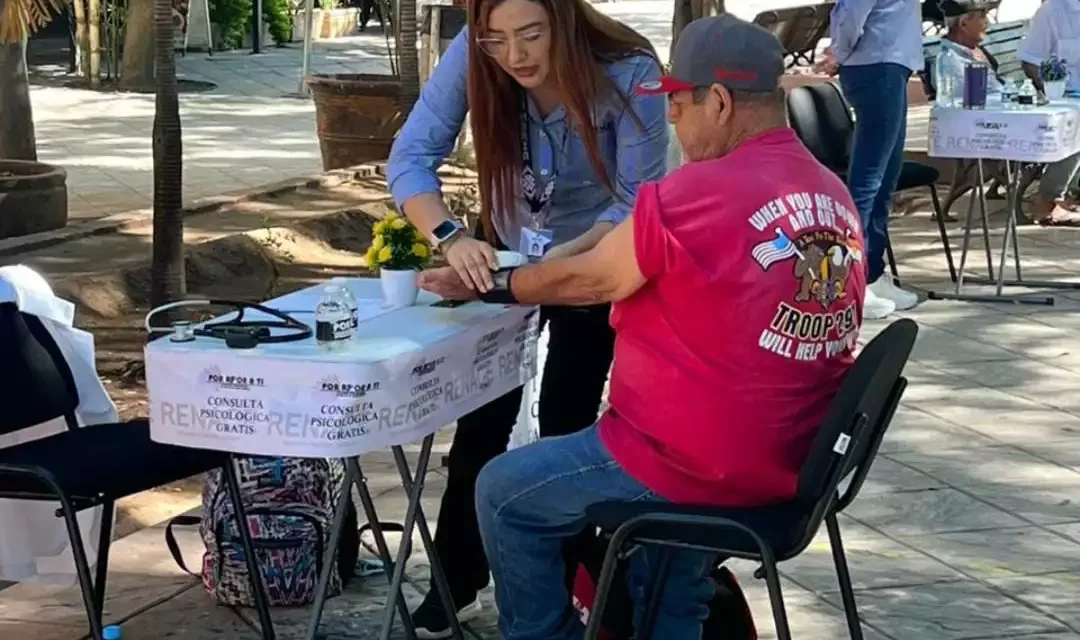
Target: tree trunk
409	65
167	281
82	40
93	40
16	117
137	67
686	11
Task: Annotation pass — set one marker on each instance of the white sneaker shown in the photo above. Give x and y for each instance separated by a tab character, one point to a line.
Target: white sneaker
886	287
875	307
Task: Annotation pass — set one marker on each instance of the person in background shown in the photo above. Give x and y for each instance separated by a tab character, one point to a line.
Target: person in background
562	144
876	46
966	24
365	13
1054	33
712	400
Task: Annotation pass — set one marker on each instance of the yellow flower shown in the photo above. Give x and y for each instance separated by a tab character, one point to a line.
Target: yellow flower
390	215
380	227
379	242
385	254
398	223
417	236
370	256
420	250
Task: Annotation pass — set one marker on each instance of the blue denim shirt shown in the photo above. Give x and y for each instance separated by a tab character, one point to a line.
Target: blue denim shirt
877	31
631	154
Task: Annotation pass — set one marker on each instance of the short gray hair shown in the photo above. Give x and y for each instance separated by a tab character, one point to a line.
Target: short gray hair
952	22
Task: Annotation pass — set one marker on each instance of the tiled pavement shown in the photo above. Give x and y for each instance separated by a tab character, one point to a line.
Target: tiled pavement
968	528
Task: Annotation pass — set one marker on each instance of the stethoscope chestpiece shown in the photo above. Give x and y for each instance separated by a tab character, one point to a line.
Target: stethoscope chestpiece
182	331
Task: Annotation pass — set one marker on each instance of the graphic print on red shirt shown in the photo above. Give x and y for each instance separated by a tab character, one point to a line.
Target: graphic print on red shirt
825	249
727	359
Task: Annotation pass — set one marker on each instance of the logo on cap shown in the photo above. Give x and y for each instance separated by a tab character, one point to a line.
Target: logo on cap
651	85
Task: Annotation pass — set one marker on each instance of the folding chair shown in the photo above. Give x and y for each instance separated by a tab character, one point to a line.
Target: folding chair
89	466
822	119
845	447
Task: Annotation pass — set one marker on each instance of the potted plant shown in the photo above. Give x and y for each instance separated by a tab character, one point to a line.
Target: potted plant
1054	74
357	115
398	250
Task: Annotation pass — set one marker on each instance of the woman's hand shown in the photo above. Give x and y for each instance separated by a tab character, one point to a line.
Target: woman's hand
473	260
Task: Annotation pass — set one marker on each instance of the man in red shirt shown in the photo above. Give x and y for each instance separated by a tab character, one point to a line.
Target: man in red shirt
738	282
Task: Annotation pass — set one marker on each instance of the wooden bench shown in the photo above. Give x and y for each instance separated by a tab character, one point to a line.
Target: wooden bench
799	29
1002	43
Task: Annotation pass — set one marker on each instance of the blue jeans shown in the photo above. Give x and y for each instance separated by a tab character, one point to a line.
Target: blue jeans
530	500
878	94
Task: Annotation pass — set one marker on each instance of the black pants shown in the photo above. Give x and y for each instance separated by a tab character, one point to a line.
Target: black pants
580	348
365	12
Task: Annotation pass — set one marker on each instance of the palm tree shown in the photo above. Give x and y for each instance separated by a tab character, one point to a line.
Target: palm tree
18	19
167	278
408	60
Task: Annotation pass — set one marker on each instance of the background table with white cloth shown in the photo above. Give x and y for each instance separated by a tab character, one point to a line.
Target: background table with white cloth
408	373
1039	135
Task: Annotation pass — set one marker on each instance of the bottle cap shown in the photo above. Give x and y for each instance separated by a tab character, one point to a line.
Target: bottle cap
111	632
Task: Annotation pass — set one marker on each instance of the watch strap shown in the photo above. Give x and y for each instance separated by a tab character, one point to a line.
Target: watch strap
501	293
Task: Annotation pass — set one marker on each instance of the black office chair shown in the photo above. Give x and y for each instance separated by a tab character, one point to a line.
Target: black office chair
91	466
845	447
823	120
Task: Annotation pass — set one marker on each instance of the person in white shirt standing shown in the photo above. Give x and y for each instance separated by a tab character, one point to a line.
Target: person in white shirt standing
876	46
1054	33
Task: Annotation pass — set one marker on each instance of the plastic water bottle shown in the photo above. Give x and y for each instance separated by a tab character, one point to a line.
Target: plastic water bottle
350	301
111	632
333	321
946	87
1025	97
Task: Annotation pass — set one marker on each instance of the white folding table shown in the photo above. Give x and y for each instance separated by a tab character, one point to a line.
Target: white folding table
409	372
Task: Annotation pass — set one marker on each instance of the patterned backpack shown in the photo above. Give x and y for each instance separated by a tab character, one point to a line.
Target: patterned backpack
289	503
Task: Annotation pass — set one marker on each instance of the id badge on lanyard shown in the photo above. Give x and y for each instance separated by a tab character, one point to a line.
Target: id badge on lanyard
535	239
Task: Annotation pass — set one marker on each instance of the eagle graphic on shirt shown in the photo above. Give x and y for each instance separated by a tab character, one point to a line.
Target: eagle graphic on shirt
823	260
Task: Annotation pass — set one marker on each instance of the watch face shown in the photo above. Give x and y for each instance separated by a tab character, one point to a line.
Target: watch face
445	230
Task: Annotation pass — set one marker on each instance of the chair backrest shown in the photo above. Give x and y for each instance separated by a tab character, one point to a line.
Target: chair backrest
856	422
799	29
822	119
38	384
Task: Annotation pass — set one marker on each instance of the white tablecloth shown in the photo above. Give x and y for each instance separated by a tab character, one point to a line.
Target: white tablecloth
1043	134
33	541
409	372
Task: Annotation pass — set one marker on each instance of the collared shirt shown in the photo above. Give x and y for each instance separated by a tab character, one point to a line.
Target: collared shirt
1055	32
956	68
877	31
633	151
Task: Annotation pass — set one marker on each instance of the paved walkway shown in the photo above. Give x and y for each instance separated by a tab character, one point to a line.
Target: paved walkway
252	129
969	527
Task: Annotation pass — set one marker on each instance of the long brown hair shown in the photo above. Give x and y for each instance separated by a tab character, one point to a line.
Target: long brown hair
583	41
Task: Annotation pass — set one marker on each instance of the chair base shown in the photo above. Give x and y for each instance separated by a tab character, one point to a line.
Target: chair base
93	589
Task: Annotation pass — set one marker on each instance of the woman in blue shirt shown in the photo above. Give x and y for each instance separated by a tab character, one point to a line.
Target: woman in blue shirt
562	144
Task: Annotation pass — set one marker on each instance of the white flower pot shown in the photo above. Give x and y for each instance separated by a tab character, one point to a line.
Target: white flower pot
1055	90
399	287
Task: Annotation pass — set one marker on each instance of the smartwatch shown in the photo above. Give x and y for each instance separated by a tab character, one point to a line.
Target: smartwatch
445	231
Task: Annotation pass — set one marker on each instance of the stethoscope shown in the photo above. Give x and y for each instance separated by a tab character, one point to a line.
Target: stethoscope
236	332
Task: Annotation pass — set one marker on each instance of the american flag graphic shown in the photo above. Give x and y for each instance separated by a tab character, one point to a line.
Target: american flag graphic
770	252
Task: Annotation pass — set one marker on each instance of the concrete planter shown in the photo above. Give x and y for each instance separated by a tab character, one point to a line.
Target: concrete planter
335	23
33	198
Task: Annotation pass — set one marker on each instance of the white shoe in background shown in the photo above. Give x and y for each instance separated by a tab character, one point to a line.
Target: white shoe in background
886	287
875	307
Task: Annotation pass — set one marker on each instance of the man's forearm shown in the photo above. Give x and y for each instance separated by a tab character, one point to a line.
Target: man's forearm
564	281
